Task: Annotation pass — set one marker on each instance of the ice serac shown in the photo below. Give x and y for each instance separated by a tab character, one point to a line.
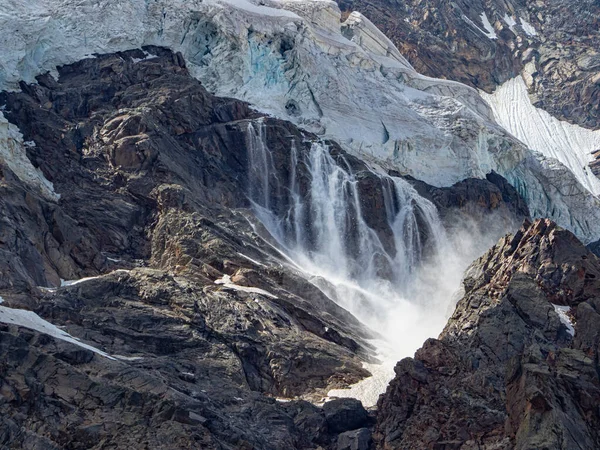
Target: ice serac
295	60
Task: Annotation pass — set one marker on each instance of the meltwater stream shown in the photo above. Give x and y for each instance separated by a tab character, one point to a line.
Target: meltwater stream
312	204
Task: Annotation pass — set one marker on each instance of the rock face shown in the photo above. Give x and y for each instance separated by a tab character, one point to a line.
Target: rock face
517	365
201	337
553	43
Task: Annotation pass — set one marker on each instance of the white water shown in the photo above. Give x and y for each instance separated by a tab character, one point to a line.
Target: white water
402	289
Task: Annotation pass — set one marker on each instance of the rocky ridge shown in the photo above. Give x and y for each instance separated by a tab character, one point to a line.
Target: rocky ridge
517	365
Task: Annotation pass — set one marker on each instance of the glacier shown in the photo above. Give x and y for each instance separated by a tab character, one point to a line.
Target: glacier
295	60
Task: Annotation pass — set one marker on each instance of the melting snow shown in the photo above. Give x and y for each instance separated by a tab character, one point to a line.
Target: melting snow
31	320
564	317
528	28
572	145
226	282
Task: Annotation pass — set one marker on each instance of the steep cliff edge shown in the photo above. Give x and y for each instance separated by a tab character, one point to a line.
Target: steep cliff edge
517	365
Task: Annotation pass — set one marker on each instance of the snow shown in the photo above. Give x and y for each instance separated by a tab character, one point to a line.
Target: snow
64	283
29	319
572	145
251	260
562	312
510	21
13	154
227	283
1	300
489	29
527	28
369	389
491	33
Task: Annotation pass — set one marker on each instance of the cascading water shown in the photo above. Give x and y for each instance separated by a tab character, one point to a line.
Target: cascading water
377	249
320	225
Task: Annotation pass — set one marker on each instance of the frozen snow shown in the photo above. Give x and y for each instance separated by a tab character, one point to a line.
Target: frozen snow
346	81
251	260
226	282
29	319
564	317
489	29
527	28
510	21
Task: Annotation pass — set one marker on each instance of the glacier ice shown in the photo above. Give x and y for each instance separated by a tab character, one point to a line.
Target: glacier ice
295	60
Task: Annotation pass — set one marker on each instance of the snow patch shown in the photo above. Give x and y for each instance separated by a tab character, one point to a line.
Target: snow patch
570	144
564	317
491	33
225	281
510	21
251	260
13	154
489	30
29	319
527	28
369	389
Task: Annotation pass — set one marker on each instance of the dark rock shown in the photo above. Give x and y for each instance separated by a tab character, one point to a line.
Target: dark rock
345	414
355	440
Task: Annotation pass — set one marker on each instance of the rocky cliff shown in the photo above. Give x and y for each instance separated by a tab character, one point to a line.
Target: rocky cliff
517	365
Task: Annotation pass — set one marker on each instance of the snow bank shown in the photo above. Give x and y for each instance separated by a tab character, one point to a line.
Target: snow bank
571	144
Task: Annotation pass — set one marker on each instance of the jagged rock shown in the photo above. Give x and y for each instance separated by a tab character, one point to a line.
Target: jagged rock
506	371
355	440
151	174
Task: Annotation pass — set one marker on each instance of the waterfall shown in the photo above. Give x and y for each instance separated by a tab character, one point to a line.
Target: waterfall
312	206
